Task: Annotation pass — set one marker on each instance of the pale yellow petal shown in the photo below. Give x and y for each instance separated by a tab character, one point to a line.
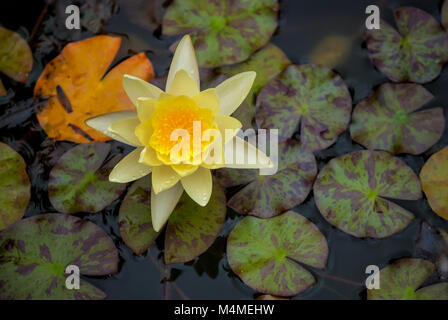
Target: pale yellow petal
148	156
183	85
199	185
184	59
245	155
163	178
233	91
163	204
144	132
183	169
208	99
136	88
145	108
228	126
102	123
125	128
129	169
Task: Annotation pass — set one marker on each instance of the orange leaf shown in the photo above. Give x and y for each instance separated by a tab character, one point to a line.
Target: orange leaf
74	83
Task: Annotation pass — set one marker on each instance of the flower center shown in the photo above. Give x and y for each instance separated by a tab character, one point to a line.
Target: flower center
180	122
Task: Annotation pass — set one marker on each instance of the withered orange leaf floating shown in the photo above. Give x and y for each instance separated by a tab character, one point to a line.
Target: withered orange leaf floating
77	89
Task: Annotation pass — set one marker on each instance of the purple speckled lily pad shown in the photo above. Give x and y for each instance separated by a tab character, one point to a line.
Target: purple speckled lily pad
269	254
387	121
270	195
313	97
134	218
402	280
35	252
79	182
222	32
192	229
14	186
416	53
351	191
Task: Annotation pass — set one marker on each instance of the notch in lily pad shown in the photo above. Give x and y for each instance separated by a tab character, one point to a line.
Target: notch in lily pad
388	120
79	182
351	193
35	252
273	255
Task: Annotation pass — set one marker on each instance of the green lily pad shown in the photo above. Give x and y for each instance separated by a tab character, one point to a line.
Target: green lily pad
402	280
270	195
35	252
134	218
351	191
313	97
192	229
267	62
14	185
387	121
79	182
16	59
222	32
270	255
416	53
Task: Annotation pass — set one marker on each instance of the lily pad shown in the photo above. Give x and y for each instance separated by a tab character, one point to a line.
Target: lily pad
14	185
16	59
134	218
79	182
313	97
270	195
434	178
270	255
267	62
351	191
416	53
222	32
35	252
387	121
192	229
402	280
78	89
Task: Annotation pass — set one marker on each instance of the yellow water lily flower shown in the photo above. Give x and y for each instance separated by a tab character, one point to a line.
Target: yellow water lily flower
182	107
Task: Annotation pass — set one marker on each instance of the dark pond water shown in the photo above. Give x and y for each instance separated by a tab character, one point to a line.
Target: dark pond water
302	25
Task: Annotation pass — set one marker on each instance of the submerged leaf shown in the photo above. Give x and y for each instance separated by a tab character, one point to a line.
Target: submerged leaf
402	280
3	91
351	191
14	186
222	32
134	218
35	252
331	51
79	182
313	97
270	195
434	178
192	229
415	53
444	15
387	121
270	255
77	89
16	59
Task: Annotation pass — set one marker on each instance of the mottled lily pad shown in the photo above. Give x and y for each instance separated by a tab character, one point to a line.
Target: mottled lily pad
267	62
270	255
351	191
134	218
387	121
16	59
192	229
79	182
402	280
14	186
416	53
269	195
434	178
35	252
222	32
313	97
